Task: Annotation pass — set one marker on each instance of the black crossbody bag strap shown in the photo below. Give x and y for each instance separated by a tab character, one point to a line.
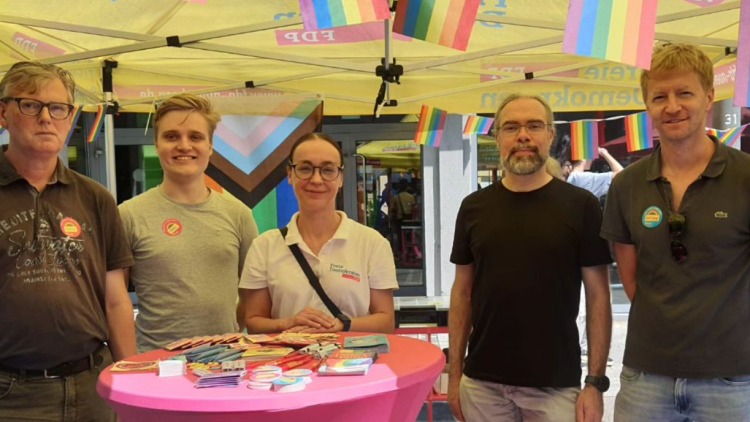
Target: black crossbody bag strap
314	282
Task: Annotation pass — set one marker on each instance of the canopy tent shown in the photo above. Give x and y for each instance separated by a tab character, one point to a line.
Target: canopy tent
405	155
166	46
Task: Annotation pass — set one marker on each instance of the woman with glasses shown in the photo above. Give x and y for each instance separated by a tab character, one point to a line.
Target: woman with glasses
352	263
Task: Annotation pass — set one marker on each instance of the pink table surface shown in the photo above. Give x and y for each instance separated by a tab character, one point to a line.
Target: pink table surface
393	390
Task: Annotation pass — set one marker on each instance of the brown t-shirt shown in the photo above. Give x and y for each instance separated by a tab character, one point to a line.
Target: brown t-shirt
55	250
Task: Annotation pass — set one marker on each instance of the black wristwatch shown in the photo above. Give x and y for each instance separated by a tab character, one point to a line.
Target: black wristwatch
348	322
601	383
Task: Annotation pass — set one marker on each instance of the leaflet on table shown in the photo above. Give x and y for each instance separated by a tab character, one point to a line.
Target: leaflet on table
348	362
379	343
127	366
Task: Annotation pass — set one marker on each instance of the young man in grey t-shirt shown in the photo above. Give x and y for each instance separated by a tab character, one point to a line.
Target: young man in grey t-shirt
189	242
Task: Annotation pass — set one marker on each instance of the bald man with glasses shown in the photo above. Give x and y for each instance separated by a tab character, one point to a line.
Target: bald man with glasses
63	300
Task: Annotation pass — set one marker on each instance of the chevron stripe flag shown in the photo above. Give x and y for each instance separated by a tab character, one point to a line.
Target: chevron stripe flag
478	125
431	125
731	137
584	140
616	30
445	22
639	134
742	78
326	14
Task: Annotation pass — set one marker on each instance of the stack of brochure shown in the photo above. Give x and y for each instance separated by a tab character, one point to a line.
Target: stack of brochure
221	379
348	362
377	343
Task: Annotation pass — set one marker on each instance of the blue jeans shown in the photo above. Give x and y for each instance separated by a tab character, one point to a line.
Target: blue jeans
645	397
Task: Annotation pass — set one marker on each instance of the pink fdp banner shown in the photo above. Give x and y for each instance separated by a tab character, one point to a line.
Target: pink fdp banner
705	3
326	14
431	125
741	83
617	30
371	31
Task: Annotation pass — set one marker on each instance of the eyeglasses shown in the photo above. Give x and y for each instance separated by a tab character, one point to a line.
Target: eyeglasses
328	172
677	224
512	129
29	107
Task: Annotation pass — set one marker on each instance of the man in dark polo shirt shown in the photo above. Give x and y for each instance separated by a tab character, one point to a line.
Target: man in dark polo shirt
62	254
680	222
521	248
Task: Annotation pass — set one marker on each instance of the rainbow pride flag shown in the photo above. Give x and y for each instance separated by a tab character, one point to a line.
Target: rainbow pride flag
431	125
445	22
639	132
478	125
98	122
616	30
326	14
2	130
742	78
731	137
76	116
712	132
584	140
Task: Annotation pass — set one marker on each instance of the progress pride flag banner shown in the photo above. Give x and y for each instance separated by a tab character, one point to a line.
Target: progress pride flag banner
371	31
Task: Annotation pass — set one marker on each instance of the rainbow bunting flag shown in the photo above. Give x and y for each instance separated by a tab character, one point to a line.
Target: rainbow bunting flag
616	30
584	140
98	122
326	14
731	137
445	22
712	132
431	125
742	78
76	116
2	130
639	132
478	125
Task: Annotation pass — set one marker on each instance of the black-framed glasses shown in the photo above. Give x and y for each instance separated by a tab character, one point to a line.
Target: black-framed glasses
677	223
328	172
534	128
29	107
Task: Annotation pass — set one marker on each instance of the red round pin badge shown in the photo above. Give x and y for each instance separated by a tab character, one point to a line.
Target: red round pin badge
172	227
70	227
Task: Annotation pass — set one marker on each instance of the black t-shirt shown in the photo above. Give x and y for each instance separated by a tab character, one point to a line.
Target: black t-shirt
527	249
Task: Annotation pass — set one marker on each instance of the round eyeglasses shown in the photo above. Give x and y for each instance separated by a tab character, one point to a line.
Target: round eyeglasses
29	107
328	172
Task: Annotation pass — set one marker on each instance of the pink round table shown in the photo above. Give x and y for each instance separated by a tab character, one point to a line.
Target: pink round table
394	390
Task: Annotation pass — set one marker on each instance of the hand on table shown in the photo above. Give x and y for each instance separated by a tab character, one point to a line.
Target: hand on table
590	405
337	326
309	318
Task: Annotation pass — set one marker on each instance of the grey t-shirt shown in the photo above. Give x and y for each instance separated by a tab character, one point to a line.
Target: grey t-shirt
188	259
596	183
687	320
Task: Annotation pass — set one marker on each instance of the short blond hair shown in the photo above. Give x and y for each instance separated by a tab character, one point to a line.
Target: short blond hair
187	102
681	58
519	96
31	77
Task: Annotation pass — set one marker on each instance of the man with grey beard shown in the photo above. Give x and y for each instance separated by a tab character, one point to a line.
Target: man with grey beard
521	249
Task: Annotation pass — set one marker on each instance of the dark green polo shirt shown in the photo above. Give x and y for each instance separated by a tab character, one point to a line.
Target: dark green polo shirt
689	320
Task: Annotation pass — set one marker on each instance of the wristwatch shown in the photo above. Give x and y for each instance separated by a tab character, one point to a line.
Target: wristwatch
601	383
348	322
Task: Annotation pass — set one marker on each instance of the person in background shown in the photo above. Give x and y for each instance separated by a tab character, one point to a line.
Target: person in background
680	222
596	183
64	303
353	263
521	248
189	242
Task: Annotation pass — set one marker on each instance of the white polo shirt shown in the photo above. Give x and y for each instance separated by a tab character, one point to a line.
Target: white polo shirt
355	260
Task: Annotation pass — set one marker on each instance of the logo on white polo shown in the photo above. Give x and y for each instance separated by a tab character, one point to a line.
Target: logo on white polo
347	274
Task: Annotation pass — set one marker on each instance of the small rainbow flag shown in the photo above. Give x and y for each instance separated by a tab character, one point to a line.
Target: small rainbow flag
76	116
2	130
731	137
98	122
431	125
712	132
326	14
445	22
478	125
584	140
742	78
616	30
639	133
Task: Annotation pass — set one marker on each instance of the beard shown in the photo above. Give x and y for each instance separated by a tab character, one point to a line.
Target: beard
524	164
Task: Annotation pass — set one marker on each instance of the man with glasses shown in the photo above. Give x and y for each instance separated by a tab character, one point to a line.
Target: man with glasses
189	242
680	222
521	248
62	254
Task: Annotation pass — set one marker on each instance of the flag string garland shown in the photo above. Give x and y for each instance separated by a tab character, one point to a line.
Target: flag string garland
98	123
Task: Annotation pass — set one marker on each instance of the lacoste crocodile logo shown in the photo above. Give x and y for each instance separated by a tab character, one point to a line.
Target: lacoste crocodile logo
721	214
